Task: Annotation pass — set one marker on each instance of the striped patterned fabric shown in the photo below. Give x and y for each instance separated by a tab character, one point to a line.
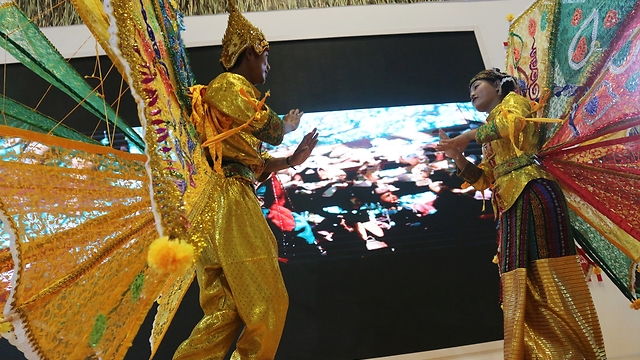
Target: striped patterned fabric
535	227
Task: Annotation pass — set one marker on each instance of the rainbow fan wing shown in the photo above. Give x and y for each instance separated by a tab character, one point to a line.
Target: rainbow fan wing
585	55
611	101
585	30
560	48
600	181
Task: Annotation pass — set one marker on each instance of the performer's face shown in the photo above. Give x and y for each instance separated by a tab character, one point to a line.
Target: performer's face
260	68
484	95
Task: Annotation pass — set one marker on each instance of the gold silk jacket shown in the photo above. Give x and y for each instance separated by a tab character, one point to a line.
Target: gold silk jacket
230	102
509	143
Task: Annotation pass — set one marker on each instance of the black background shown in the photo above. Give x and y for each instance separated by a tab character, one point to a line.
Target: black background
441	291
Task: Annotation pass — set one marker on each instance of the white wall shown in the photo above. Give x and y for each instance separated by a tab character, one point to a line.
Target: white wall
620	324
486	18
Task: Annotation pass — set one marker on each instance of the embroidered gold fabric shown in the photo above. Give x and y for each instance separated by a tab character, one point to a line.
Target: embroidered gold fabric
223	95
170	297
512	164
549	314
503	139
80	219
529	55
239	276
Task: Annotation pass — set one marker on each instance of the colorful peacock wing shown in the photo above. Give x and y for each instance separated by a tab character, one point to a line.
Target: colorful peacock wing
22	39
77	218
148	42
584	56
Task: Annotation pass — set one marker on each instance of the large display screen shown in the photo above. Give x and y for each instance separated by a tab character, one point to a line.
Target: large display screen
373	184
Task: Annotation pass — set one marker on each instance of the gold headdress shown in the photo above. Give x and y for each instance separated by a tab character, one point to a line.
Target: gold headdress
240	33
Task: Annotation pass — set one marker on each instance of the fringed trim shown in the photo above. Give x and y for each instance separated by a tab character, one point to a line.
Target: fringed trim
23	339
634	268
62	14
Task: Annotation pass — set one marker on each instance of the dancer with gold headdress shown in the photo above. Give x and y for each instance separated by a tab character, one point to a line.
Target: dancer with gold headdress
239	277
548	310
98	231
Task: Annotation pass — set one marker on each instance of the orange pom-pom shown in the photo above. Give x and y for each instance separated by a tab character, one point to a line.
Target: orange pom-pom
597	270
170	256
635	305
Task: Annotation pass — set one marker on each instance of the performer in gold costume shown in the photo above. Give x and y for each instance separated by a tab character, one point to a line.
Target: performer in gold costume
548	310
239	277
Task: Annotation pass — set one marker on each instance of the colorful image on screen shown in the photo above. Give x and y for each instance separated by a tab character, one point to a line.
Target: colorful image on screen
374	184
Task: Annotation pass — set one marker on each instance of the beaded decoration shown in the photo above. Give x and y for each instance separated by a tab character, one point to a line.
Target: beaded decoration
239	34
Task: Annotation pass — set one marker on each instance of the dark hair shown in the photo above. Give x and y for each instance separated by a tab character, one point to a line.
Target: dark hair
238	61
507	87
508	83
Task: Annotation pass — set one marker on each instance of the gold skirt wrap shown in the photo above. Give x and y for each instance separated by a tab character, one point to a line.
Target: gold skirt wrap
549	313
239	276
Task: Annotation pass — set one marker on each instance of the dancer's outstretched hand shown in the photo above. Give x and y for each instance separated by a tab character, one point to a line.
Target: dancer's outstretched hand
292	120
304	148
449	146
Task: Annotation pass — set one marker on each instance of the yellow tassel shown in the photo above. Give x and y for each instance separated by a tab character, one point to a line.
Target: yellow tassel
5	326
170	256
635	305
495	259
510	17
597	270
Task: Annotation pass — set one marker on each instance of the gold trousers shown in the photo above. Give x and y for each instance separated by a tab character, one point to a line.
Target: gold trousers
549	313
239	278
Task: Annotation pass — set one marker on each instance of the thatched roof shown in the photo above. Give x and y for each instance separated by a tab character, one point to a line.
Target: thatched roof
60	12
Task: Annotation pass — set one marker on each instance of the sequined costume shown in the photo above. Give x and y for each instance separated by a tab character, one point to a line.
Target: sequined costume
544	293
239	277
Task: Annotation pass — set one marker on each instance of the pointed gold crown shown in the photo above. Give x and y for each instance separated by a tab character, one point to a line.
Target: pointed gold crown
239	34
